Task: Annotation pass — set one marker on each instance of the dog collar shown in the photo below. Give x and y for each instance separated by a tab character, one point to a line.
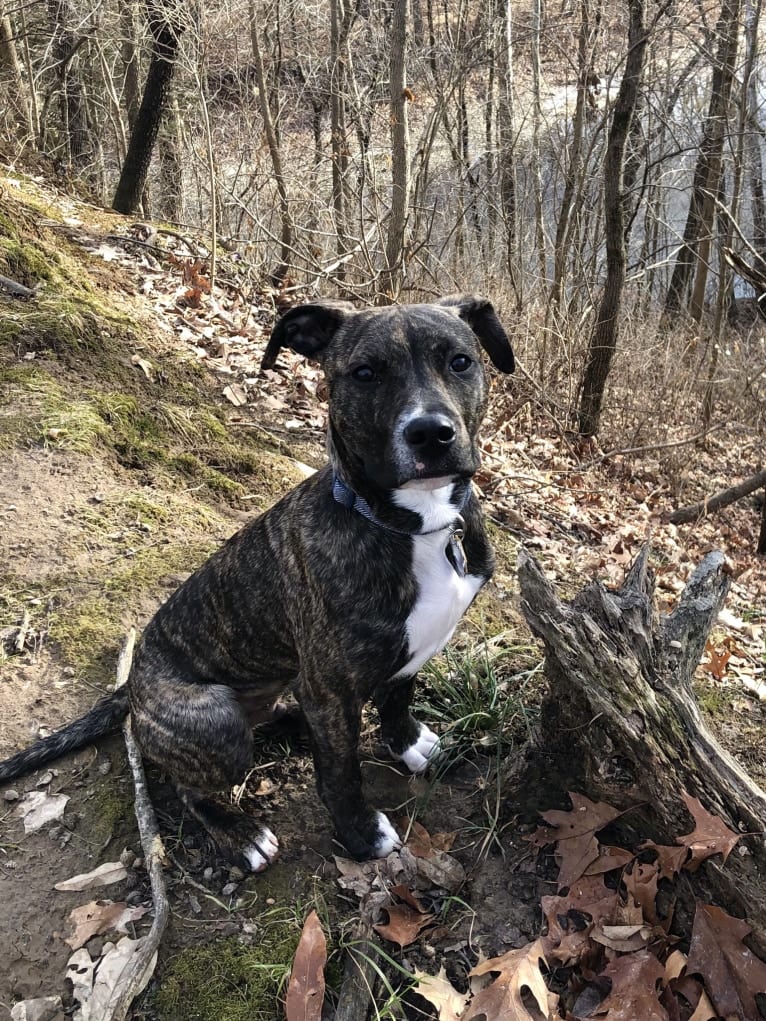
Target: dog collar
346	497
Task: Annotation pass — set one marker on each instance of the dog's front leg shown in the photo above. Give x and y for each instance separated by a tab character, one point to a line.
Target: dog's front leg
411	742
334	727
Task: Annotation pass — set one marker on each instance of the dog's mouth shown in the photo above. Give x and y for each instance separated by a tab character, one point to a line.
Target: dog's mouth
428	483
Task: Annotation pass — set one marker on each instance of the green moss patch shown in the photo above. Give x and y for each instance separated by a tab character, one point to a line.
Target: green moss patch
228	980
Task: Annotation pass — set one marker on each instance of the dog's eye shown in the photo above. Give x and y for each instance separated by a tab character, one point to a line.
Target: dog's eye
460	363
364	373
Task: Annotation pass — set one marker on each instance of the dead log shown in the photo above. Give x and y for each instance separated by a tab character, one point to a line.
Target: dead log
684	515
620	722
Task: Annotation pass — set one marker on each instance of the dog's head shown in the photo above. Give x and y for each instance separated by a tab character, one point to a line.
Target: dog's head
407	385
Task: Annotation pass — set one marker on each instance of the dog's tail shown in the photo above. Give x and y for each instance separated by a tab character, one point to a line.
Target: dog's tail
104	717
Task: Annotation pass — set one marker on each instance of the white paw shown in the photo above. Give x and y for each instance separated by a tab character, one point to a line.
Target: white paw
262	853
423	752
388	839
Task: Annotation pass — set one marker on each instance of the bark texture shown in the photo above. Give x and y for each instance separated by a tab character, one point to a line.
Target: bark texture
135	169
621	721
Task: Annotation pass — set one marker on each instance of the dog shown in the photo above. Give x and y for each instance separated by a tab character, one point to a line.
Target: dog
339	593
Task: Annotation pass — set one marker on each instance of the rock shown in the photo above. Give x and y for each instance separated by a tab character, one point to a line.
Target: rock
11	795
105	767
207	875
128	858
229	889
43	1008
236	875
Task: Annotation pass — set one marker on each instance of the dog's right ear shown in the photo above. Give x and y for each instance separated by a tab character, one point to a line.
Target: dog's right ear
307	329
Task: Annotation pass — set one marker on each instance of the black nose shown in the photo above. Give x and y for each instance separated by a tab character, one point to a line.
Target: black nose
434	431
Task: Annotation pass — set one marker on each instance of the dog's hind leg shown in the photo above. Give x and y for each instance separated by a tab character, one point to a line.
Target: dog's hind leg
411	742
199	734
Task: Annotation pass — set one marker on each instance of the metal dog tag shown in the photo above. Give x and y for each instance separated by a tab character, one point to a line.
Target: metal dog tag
456	553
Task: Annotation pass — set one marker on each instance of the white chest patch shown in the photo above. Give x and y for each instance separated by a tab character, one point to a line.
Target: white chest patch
442	599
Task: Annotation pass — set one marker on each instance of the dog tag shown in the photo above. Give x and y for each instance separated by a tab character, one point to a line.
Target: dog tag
456	553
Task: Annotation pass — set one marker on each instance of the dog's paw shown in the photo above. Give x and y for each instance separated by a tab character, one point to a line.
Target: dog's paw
420	755
387	839
262	851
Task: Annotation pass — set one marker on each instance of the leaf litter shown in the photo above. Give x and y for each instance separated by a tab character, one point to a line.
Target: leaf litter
607	951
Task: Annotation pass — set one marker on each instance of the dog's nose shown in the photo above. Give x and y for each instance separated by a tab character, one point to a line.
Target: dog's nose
434	431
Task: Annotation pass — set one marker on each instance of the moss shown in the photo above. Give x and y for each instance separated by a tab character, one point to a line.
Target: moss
25	263
90	631
111	802
713	700
229	981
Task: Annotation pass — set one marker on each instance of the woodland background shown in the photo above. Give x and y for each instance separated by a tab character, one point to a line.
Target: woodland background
595	167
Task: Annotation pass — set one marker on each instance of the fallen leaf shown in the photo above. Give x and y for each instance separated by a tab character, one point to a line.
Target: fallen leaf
37	809
104	875
441	870
305	992
404	924
576	845
571	918
609	858
403	892
670	860
146	367
732	974
101	916
235	394
623	938
502	1000
41	1008
440	993
634	995
710	836
641	884
95	987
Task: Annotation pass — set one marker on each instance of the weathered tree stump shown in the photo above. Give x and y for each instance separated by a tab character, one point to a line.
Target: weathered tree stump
620	722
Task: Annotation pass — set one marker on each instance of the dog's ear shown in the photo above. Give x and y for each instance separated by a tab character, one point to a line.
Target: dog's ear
480	315
307	329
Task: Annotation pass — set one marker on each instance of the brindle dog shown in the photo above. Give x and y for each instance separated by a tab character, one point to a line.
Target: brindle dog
340	592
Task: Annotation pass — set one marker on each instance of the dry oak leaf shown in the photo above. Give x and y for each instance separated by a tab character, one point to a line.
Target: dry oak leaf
641	884
634	996
571	918
670	860
106	874
404	924
710	836
576	845
305	991
99	916
440	993
732	973
502	1000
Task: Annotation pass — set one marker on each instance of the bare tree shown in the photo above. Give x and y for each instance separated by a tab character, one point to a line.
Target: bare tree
603	340
400	154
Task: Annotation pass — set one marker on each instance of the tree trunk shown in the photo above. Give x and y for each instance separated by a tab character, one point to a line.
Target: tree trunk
73	117
400	155
12	82
340	21
135	169
603	341
171	178
699	221
272	140
620	720
761	548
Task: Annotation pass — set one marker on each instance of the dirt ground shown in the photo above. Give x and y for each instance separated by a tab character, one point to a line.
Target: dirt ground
106	506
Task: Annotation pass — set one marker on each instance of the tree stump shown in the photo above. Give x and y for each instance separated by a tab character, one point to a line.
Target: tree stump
620	722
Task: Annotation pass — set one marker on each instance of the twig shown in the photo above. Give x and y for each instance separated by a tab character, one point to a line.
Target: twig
653	446
21	637
140	966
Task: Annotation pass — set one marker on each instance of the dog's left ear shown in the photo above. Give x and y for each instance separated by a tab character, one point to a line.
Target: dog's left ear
307	329
480	315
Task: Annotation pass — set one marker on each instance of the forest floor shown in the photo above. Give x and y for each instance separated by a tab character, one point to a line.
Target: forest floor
137	433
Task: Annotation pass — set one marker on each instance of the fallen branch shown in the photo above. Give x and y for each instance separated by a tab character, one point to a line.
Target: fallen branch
14	287
359	976
713	503
21	637
140	967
